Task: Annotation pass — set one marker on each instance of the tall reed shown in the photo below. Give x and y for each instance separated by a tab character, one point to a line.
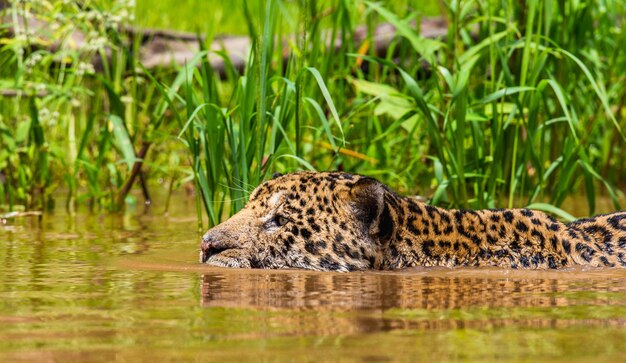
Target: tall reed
519	104
516	101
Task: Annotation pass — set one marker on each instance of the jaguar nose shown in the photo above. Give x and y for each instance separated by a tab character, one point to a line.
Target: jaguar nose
210	246
206	244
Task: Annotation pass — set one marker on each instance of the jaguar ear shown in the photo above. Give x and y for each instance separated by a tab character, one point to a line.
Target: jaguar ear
276	175
367	197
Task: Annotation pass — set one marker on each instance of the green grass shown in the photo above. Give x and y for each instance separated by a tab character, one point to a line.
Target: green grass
515	106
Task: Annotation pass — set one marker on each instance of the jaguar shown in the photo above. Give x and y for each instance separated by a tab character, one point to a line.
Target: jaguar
336	221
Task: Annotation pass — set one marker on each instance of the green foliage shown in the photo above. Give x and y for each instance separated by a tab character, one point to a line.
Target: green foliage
225	17
510	106
518	104
67	122
504	106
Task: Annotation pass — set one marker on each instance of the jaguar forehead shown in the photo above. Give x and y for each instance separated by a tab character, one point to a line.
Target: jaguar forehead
275	199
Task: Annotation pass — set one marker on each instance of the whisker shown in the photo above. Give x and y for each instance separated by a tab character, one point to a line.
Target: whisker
243	184
235	188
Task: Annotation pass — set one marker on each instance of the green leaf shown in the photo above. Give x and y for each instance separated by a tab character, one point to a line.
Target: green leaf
23	128
571	121
375	89
502	93
473	51
320	82
301	161
599	91
549	208
122	140
325	124
391	103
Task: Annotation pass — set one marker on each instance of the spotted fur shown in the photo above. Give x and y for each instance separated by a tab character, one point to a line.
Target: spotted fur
343	222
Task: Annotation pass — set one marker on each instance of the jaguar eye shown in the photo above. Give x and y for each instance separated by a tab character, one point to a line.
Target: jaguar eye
280	220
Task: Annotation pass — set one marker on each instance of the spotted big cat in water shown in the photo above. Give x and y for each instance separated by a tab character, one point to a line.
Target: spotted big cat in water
334	221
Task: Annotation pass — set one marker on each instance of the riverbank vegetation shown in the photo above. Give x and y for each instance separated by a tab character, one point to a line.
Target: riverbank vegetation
518	104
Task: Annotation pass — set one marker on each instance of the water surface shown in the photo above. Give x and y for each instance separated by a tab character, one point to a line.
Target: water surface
129	288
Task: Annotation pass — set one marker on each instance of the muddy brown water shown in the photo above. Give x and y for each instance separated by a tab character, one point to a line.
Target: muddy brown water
129	288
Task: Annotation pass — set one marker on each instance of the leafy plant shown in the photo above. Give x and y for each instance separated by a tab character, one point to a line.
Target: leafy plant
520	103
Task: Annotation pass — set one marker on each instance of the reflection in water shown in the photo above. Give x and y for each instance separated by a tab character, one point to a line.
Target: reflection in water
370	291
96	288
425	300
